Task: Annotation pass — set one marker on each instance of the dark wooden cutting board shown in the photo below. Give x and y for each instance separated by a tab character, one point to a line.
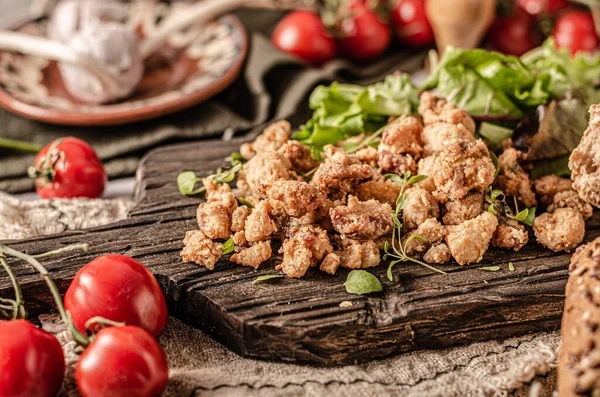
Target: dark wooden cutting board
302	320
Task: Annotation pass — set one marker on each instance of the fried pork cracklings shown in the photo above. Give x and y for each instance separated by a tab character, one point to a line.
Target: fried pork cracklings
339	211
584	162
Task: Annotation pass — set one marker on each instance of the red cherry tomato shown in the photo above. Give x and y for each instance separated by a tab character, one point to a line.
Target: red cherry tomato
71	170
365	35
32	362
301	33
537	7
410	23
122	362
575	30
118	288
513	34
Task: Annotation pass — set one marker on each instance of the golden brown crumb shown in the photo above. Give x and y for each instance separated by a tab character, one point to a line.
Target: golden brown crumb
264	169
239	239
330	263
438	136
259	225
238	218
585	159
438	254
272	138
431	231
547	186
400	146
464	209
220	194
385	191
469	240
512	178
562	230
419	206
200	249
305	247
571	199
510	234
367	155
295	198
213	219
426	167
299	156
438	110
462	167
346	304
254	255
338	175
357	255
362	220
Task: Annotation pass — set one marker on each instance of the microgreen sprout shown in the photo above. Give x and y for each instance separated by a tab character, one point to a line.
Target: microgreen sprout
497	205
186	181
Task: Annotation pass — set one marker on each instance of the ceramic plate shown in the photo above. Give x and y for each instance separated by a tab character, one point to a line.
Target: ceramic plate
191	67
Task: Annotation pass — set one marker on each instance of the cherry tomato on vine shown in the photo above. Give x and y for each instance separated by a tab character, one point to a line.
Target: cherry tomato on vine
365	36
537	7
68	167
302	34
513	34
122	362
575	30
120	289
410	23
32	362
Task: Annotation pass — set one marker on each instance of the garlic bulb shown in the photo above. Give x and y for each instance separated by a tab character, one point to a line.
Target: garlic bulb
113	45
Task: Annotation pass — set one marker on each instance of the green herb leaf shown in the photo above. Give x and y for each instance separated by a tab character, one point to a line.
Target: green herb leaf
186	181
492	209
511	267
494	194
266	277
245	202
234	158
490	268
228	246
496	163
416	179
361	282
530	217
394	178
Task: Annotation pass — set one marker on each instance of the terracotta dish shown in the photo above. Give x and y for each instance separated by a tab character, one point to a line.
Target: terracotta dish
191	67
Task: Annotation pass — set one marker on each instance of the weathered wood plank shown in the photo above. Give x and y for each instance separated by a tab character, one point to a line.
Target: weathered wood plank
301	320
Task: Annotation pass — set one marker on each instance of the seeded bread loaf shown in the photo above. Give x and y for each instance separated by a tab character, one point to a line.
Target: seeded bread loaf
579	362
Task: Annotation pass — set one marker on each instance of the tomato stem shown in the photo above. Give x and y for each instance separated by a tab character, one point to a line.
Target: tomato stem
19	311
77	336
99	321
21	146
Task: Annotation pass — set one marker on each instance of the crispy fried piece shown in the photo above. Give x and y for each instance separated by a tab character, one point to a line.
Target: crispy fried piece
367	155
510	234
362	220
439	135
385	191
419	206
426	167
214	220
239	239
272	138
464	209
295	198
220	194
438	254
254	255
585	159
431	231
358	255
547	186
263	170
461	167
259	225
305	247
571	199
512	178
299	156
200	249
330	263
338	175
401	146
469	240
238	218
438	110
562	230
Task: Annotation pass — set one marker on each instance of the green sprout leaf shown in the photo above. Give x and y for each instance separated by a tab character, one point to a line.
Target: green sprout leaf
245	202
511	267
394	178
490	268
496	163
234	158
228	246
186	181
361	282
266	277
530	217
416	179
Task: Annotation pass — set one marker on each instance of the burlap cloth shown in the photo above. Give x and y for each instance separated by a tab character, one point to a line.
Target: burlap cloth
200	366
